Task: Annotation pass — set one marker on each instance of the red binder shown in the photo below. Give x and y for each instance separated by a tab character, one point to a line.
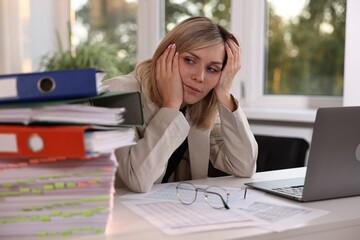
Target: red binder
43	141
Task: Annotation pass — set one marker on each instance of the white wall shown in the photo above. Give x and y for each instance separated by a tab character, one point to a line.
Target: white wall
27	30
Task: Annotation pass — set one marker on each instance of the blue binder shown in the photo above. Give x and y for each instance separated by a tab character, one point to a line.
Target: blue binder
50	85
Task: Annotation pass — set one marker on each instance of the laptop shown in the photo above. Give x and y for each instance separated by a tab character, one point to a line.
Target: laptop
333	168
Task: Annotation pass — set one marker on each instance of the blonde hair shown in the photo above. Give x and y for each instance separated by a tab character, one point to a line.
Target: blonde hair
191	34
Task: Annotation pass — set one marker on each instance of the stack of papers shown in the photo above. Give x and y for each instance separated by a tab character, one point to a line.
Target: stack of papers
56	196
106	141
64	113
58	132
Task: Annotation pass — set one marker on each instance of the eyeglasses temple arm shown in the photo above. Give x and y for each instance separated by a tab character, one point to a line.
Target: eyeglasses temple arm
222	199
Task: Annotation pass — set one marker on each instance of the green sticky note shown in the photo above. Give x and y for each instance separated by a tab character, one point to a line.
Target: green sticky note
20	218
99	230
24	190
55	213
59	185
8	194
41	234
8	185
70	184
87	213
75	229
67	215
45	218
36	190
66	233
48	187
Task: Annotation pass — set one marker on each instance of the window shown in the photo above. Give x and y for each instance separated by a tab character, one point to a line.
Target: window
22	47
112	21
305	47
256	79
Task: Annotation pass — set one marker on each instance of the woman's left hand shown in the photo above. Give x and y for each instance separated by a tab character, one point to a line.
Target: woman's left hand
233	65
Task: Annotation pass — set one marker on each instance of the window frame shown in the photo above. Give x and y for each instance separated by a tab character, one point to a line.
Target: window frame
249	25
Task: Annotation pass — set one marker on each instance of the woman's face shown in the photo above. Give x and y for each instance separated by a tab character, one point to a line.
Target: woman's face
200	71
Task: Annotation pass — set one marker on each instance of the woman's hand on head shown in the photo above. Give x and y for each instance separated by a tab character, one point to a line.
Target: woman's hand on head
233	65
168	78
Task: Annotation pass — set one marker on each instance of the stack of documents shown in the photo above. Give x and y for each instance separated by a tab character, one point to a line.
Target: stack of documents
58	133
62	113
55	196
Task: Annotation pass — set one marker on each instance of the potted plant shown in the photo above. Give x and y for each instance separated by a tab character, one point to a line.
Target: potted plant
99	54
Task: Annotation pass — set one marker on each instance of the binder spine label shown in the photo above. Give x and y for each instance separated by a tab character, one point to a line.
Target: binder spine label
8	88
8	143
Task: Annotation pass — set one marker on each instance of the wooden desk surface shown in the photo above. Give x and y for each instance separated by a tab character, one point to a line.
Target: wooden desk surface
343	221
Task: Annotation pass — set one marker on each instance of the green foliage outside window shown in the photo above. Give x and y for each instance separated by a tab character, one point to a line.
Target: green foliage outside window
305	56
178	10
114	22
100	55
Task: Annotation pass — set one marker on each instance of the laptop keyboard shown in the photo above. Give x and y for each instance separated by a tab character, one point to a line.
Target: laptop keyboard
293	190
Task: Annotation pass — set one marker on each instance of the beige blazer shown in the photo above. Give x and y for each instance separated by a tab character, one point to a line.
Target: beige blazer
230	145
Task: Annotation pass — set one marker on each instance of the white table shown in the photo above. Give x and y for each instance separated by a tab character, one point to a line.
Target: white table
343	221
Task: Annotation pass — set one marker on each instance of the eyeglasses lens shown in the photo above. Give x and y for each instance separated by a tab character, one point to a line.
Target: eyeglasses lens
186	193
214	195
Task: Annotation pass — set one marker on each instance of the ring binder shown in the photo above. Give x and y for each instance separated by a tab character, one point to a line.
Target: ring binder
46	84
51	85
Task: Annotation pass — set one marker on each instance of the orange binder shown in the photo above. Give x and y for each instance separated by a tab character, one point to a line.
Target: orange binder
43	141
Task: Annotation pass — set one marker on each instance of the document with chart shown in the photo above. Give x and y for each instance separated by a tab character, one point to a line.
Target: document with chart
162	208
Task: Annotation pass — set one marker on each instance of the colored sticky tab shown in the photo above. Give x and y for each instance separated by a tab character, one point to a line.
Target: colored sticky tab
75	229
24	190
48	187
99	230
36	190
87	213
8	185
59	185
41	234
66	233
70	184
45	218
55	213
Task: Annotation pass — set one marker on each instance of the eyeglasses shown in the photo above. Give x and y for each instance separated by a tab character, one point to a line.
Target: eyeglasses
215	196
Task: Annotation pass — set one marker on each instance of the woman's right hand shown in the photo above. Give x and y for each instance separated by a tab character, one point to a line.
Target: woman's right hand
168	78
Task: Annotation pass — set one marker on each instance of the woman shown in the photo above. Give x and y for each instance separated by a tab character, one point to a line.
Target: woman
190	115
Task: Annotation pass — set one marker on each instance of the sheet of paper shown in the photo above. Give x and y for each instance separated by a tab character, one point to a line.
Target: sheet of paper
280	216
175	218
65	113
162	208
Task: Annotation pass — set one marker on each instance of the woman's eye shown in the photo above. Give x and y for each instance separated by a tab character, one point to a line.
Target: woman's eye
188	60
214	70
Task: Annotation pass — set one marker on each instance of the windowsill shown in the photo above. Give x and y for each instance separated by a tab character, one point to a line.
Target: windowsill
281	115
